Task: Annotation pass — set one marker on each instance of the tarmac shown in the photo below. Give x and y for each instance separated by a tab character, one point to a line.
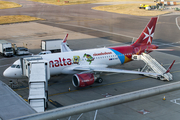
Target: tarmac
151	108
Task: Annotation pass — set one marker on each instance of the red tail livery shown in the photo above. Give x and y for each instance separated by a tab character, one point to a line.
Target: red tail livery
147	35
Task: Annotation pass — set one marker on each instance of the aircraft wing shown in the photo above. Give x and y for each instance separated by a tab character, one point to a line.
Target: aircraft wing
113	70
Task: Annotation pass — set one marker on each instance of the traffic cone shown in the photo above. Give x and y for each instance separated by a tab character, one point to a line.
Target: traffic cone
164	98
69	89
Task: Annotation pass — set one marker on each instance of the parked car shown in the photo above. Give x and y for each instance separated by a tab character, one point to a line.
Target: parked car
44	52
22	51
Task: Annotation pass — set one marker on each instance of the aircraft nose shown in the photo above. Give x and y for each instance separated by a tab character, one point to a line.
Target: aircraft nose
9	73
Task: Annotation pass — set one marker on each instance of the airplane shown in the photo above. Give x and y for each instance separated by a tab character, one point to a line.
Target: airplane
87	65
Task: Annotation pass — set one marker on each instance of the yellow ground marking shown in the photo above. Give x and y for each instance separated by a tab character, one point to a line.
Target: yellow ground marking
17	19
171	63
21	89
26	100
175	72
131	9
165	23
6	5
20	95
52	101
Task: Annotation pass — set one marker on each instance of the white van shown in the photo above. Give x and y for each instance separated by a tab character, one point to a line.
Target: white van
44	52
22	51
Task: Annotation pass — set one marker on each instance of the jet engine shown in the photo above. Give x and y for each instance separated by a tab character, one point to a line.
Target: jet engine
83	80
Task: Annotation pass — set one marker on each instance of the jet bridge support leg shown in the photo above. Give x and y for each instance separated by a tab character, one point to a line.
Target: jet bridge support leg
152	66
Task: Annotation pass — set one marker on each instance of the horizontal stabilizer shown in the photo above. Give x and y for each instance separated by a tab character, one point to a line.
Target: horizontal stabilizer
159	49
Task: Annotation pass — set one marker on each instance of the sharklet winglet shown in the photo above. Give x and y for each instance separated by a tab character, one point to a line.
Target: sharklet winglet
168	70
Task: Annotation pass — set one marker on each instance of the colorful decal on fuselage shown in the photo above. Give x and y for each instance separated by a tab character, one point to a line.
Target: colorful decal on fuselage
123	58
76	59
120	55
89	58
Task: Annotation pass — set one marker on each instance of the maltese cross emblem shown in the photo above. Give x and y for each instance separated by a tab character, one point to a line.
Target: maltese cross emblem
149	35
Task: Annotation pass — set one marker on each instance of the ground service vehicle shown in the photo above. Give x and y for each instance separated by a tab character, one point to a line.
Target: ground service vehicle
44	52
52	45
6	48
22	51
143	6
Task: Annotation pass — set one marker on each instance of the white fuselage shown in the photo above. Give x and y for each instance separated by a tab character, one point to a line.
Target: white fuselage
63	63
66	62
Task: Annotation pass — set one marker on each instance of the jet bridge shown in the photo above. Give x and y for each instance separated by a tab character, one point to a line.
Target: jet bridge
37	70
153	66
25	61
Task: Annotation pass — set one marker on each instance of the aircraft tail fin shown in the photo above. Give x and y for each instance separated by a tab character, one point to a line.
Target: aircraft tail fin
64	47
65	38
147	34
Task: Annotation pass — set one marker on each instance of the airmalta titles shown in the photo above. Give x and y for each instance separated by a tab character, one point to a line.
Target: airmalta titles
60	62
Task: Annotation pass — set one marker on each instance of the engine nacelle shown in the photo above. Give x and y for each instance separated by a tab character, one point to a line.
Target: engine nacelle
83	80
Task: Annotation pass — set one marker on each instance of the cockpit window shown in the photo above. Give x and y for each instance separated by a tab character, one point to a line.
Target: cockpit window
13	66
17	66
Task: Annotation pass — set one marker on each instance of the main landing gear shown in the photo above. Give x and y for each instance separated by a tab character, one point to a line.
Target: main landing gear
99	80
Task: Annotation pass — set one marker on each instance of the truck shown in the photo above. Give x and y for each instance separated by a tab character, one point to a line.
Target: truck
144	6
20	50
53	45
6	48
